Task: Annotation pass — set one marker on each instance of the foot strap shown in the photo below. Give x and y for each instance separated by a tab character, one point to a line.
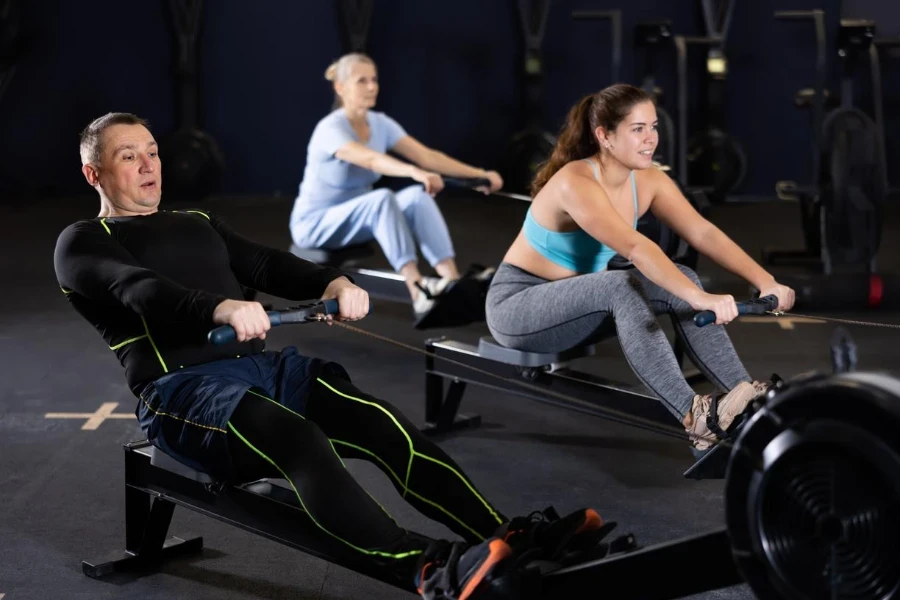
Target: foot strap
437	573
712	418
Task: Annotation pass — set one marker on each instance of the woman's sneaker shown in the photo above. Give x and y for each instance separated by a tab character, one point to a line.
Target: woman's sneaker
453	571
431	290
706	427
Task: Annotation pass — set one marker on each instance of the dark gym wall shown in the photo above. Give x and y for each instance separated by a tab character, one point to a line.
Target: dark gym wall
449	73
80	61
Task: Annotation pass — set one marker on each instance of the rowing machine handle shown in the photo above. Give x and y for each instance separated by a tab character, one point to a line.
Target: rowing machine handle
467	182
757	306
225	333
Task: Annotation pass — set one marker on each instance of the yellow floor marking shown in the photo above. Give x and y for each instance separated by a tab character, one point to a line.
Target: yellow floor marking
783	322
93	419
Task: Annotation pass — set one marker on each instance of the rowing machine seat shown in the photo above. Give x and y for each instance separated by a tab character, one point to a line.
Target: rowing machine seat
490	349
161	460
335	257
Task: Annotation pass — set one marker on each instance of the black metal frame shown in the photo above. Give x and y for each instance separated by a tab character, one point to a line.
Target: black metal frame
589	394
269	509
654	46
818	250
615	23
631	575
262	507
462	364
888	43
356	19
682	43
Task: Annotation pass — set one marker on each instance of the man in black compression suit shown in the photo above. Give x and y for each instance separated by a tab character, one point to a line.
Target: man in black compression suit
154	282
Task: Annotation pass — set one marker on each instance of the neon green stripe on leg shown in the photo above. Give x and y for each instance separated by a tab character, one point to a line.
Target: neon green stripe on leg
390	416
406	490
399	556
413	453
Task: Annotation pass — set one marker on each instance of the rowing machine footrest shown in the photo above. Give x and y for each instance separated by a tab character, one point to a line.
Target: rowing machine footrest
489	348
713	463
335	257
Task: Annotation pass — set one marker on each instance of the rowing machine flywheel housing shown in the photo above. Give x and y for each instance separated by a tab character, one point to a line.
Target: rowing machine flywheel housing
813	490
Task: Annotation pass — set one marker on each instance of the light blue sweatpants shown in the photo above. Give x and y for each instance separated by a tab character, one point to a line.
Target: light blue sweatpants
397	220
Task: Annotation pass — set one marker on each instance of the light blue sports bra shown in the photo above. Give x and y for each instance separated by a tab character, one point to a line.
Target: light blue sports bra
574	250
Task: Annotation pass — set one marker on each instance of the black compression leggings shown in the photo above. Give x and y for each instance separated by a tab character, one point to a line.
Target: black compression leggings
267	439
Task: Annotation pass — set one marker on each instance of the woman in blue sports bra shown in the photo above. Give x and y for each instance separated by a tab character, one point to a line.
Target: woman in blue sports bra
553	290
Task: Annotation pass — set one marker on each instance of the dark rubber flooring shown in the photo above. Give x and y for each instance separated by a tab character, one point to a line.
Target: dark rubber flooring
61	491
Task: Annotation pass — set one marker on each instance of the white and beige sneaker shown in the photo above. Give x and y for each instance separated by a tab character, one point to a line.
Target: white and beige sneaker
429	289
729	407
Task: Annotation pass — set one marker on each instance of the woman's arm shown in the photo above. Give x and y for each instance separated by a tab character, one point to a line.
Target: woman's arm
435	160
363	156
671	207
590	208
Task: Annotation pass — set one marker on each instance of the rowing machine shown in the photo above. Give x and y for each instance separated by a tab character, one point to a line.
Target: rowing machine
812	499
550	380
381	284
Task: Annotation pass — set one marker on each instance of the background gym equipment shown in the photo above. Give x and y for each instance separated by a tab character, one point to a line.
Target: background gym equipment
652	40
356	18
532	145
891	46
885	52
193	163
712	159
842	210
615	38
811	499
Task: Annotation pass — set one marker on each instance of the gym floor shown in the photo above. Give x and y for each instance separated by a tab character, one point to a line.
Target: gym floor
61	479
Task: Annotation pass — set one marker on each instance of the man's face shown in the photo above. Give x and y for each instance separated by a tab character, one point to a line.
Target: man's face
129	173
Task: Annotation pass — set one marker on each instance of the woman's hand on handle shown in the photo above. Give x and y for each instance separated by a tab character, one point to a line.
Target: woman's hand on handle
722	304
248	319
353	301
496	182
432	181
784	294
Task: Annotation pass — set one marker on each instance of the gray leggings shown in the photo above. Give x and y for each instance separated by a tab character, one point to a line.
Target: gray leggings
529	313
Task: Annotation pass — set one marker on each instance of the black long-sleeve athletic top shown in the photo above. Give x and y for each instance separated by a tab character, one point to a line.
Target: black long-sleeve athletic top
150	284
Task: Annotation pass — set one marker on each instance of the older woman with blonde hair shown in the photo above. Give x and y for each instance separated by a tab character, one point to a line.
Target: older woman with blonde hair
337	205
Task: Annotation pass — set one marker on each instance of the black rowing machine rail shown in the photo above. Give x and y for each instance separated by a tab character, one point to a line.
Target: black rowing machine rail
811	509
